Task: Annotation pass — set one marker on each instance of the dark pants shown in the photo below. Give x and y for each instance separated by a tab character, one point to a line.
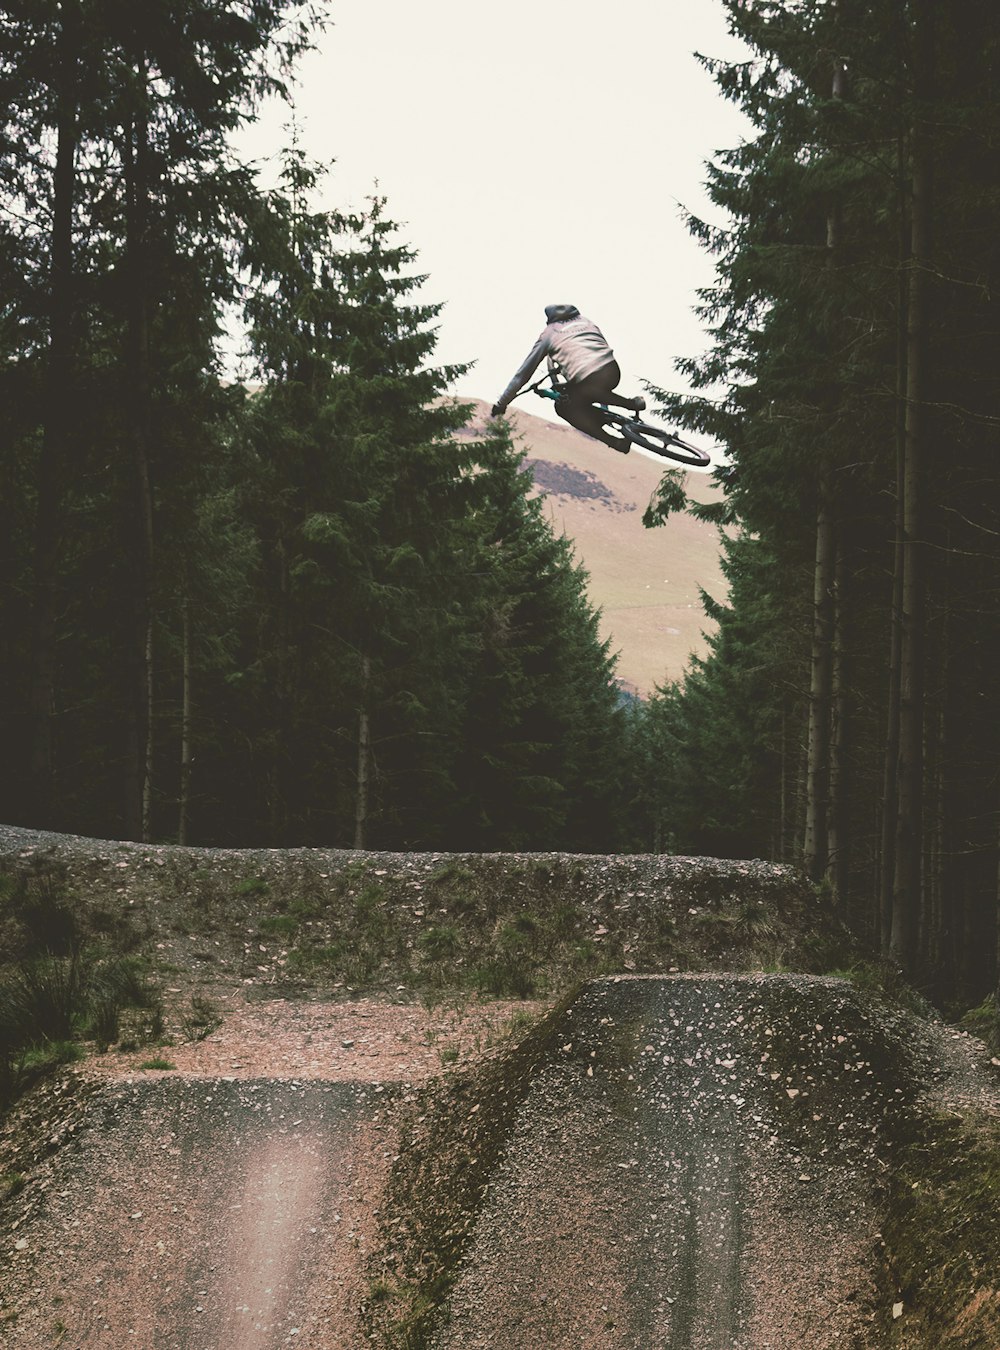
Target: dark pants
575	405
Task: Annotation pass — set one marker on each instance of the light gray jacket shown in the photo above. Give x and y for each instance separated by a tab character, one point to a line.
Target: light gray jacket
574	345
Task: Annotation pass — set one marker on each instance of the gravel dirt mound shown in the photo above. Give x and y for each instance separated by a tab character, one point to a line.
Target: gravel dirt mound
687	1163
294	922
692	1161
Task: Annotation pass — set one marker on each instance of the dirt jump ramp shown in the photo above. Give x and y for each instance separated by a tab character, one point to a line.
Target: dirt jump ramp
686	1163
202	1214
676	1163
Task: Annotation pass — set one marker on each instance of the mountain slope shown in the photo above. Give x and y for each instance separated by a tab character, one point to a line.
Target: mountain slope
646	583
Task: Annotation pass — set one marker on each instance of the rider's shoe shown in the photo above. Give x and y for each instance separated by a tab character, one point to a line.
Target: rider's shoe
622	449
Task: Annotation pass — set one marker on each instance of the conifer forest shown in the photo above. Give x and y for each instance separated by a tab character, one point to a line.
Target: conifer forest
301	609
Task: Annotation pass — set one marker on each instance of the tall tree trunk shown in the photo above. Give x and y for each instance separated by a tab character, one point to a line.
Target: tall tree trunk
816	844
184	795
943	948
838	859
364	756
890	794
906	898
783	789
140	702
996	996
819	772
283	698
56	432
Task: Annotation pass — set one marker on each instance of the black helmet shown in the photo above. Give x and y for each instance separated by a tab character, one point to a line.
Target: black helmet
559	313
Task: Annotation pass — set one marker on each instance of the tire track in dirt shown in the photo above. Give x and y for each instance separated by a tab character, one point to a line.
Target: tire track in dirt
664	1163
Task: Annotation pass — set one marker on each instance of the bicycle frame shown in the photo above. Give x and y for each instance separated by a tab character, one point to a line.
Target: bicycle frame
555	392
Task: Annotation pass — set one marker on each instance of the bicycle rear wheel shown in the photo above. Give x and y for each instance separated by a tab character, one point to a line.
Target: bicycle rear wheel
665	443
655	439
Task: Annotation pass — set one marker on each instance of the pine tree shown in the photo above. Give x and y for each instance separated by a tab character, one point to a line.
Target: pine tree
116	160
541	740
856	270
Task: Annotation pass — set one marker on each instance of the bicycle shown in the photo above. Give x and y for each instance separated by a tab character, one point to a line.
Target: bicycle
655	439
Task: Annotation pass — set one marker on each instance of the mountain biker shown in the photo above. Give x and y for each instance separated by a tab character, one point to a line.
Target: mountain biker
579	354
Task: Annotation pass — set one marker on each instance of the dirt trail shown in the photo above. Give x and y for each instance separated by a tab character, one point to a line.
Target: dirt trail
683	1162
198	1214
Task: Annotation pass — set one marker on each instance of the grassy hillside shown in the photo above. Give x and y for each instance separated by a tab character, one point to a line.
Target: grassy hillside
646	583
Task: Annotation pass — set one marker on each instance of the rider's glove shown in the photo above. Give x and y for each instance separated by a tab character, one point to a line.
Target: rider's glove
497	410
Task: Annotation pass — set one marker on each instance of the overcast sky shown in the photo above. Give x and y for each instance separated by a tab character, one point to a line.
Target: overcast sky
533	153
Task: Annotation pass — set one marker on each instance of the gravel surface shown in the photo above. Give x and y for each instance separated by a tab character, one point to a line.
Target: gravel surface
228	1202
694	1166
689	1162
201	1215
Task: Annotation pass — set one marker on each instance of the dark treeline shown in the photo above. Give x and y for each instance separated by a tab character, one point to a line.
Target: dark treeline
314	609
847	713
301	611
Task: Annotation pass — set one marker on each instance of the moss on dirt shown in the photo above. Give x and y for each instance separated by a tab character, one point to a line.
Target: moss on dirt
942	1234
984	1021
505	925
522	925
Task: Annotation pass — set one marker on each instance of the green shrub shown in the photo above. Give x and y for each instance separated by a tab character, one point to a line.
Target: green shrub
450	873
984	1021
941	1236
253	886
53	998
36	917
113	987
201	1020
11	1184
439	942
307	960
505	975
305	907
564	921
885	979
752	922
353	874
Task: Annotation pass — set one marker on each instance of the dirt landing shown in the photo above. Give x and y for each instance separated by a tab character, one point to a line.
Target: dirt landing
687	1163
